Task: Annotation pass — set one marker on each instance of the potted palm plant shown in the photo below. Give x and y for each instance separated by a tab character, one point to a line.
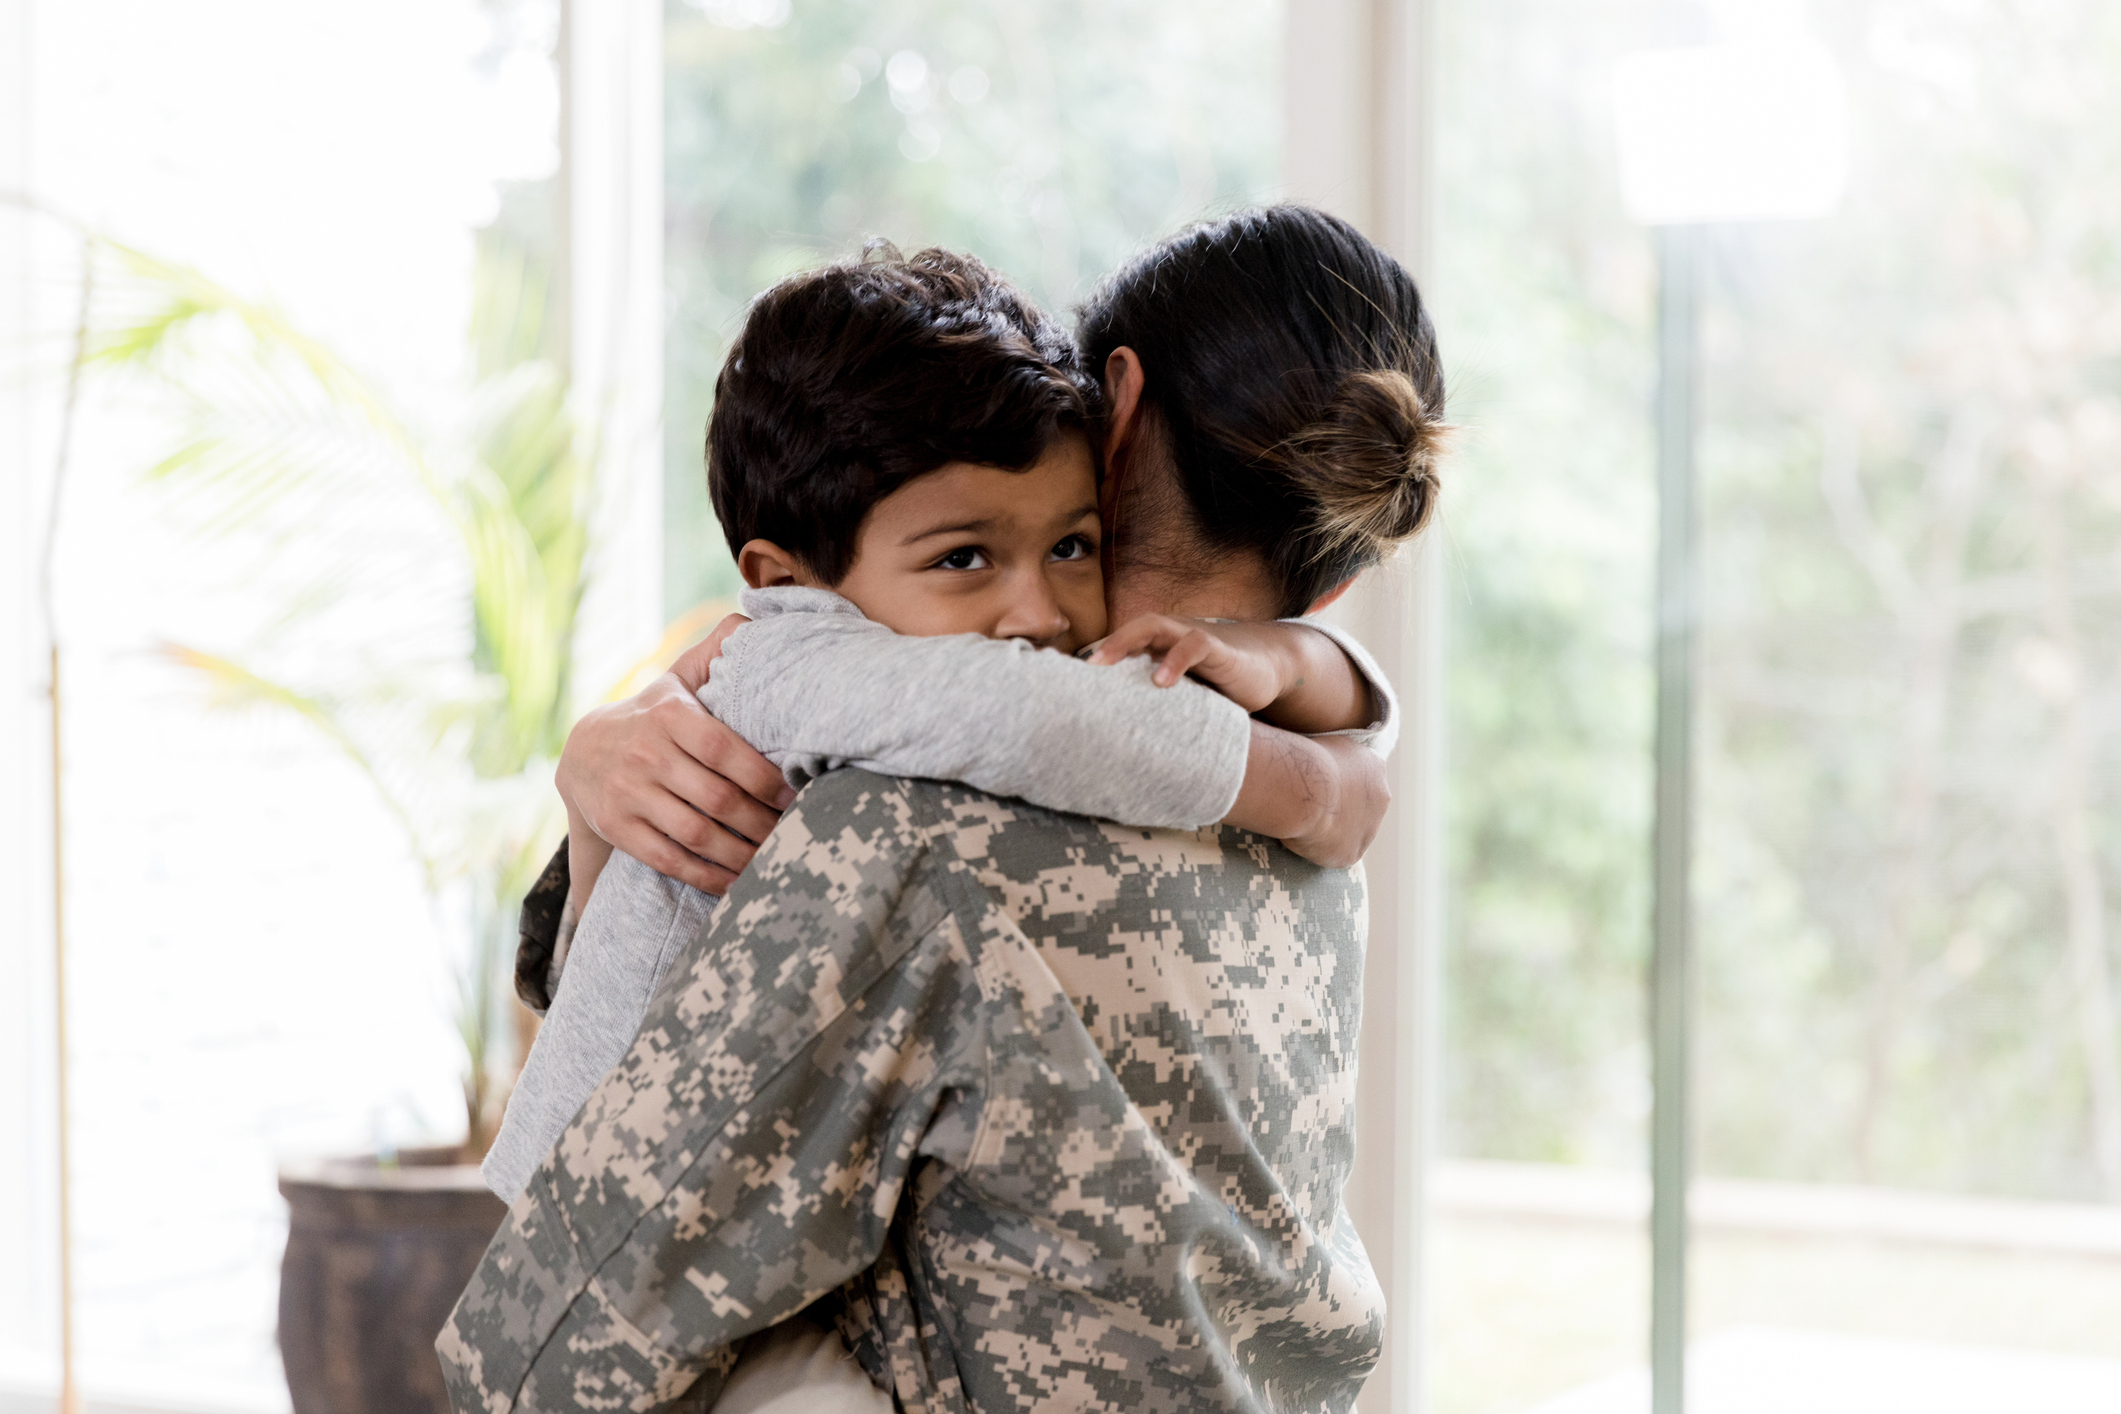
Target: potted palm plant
468	523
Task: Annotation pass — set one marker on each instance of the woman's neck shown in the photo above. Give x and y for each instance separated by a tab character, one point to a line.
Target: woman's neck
1226	585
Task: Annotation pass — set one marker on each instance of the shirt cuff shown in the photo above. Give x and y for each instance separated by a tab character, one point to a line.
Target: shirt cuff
1382	734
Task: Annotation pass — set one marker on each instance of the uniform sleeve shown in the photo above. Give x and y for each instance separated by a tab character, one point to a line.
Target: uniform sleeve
816	692
749	1153
538	932
635	923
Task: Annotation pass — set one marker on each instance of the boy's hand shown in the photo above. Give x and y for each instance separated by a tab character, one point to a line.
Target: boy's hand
1286	674
661	779
1248	663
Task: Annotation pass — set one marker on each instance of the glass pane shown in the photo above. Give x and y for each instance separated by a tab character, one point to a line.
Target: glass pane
1909	1066
1051	140
1908	1063
1544	295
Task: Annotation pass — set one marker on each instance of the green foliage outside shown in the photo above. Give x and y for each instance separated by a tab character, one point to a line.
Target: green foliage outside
1915	430
1543	297
1911	456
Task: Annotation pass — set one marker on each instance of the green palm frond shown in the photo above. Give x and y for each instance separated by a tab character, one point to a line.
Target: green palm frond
234	686
290	453
161	301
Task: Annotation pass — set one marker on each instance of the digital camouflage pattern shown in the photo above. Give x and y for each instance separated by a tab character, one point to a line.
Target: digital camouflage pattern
1054	1114
538	930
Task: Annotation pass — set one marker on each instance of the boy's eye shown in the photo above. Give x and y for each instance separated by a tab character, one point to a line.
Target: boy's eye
1075	547
967	558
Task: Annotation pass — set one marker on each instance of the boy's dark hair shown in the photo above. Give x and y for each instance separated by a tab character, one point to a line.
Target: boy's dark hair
849	381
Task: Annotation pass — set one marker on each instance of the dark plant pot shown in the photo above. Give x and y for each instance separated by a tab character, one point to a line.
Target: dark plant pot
375	1260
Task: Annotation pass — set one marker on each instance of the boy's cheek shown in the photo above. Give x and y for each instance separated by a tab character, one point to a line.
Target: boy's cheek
1087	619
922	606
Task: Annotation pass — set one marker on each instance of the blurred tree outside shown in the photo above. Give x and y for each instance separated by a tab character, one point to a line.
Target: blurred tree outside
1049	140
1907	828
1910	680
1543	295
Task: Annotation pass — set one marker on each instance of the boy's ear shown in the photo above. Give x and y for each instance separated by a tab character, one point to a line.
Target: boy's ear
764	564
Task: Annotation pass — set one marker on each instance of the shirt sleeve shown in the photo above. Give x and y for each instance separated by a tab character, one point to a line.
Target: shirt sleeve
747	1157
815	692
1382	734
636	923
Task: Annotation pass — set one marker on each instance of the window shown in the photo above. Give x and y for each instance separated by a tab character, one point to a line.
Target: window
1907	1069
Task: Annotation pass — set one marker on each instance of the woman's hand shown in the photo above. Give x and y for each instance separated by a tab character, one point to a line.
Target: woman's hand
1289	675
658	777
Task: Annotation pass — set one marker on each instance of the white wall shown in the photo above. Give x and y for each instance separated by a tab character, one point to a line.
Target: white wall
255	969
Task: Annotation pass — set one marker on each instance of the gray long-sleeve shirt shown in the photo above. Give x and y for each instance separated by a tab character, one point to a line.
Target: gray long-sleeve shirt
815	686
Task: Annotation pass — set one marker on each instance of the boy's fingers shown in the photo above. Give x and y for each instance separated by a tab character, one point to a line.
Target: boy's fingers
1133	639
1142	635
1110	649
1183	657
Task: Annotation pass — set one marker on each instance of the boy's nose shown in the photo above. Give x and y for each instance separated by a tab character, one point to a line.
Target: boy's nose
1033	611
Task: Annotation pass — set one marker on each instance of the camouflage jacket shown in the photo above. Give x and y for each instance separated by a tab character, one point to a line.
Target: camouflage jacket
1054	1114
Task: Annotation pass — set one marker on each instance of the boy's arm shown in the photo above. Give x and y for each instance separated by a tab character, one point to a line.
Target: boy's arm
631	931
818	691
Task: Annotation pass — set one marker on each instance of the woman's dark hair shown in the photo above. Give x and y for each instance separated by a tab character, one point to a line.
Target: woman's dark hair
849	381
1293	371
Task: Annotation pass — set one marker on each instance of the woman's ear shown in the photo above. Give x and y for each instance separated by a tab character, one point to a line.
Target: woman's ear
1326	600
1123	416
764	565
1123	398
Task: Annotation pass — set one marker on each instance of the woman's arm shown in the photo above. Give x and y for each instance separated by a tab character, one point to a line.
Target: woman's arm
659	778
818	690
733	1090
672	785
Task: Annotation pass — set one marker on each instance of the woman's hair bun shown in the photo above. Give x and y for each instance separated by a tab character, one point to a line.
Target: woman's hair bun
1370	464
1297	390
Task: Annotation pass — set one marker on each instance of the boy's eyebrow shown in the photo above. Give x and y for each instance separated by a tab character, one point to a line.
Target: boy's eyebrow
985	523
965	527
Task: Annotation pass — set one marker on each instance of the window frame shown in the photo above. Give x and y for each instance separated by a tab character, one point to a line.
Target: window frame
1358	133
